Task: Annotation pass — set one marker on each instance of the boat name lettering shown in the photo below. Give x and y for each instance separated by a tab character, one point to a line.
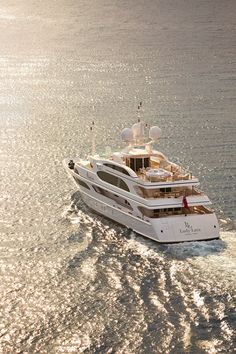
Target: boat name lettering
189	229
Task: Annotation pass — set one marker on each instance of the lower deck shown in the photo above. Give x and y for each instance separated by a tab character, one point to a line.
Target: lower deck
166	212
169	192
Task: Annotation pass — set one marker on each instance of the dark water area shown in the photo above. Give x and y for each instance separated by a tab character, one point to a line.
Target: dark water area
72	281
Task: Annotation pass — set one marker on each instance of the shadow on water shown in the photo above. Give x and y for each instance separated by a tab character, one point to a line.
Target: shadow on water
180	251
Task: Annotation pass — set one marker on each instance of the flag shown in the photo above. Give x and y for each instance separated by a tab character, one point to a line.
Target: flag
185	202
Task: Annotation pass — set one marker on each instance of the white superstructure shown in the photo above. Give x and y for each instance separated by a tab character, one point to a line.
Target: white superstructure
141	189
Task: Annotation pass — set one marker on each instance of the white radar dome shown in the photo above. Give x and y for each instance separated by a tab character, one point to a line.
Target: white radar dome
127	135
154	133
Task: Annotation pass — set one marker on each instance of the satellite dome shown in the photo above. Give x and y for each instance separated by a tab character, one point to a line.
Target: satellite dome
127	135
154	133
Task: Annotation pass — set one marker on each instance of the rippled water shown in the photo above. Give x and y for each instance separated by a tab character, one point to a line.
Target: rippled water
73	281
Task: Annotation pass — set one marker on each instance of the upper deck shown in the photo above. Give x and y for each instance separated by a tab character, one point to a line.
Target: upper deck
143	168
149	167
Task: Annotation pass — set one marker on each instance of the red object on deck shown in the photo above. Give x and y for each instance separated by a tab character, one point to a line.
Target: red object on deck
185	203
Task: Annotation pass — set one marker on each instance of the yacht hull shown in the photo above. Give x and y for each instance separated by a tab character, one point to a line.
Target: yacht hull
171	229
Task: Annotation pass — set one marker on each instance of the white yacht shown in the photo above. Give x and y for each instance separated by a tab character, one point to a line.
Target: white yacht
141	189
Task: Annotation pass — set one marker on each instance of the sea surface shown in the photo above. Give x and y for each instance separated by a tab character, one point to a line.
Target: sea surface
72	281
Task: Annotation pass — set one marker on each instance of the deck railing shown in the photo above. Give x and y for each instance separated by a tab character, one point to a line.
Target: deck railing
148	194
175	177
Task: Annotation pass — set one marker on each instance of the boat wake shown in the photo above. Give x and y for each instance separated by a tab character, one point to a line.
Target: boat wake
137	295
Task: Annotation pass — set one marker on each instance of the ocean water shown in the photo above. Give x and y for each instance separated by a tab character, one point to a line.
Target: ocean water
72	281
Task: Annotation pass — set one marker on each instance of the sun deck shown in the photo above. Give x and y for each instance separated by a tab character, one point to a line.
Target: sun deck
162	175
152	166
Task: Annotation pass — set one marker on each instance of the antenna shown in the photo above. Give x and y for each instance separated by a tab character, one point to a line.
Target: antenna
92	130
140	106
139	128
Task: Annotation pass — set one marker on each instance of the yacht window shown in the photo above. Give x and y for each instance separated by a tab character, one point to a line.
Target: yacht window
146	162
137	163
118	199
81	183
114	180
165	190
157	212
117	168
